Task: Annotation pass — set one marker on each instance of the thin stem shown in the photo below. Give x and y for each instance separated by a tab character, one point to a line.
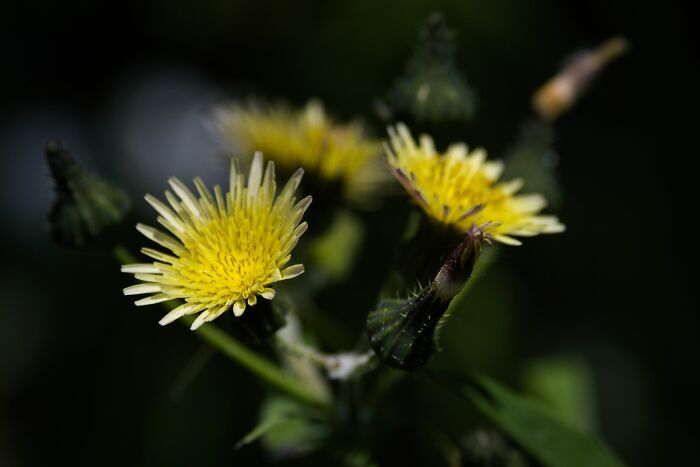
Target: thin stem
248	359
341	366
254	362
306	352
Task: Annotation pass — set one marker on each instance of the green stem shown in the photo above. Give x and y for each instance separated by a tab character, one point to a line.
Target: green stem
254	362
248	359
305	352
342	366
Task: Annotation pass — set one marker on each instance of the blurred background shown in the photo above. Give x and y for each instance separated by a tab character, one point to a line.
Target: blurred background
85	379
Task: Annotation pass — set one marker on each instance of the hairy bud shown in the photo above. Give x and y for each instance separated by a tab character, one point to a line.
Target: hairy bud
402	332
85	205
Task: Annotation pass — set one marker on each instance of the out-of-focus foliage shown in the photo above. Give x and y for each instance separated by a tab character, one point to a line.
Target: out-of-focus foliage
534	158
85	204
432	88
336	250
537	429
488	448
566	384
288	429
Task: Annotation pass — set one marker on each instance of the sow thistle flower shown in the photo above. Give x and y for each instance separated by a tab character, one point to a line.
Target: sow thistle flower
460	189
309	138
226	250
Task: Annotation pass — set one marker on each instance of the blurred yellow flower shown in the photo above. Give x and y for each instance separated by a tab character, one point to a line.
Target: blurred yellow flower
460	189
562	91
308	138
227	249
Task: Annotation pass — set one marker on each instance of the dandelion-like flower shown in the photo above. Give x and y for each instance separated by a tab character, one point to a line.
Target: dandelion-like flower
461	189
226	250
309	138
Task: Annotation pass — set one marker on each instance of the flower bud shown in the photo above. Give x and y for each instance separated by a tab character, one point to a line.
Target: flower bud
402	332
560	93
432	90
85	205
458	267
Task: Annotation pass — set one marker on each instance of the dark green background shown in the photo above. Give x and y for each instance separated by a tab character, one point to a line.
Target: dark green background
87	380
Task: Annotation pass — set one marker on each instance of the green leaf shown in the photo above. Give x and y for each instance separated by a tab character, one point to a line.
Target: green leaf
337	248
287	427
566	384
533	426
259	430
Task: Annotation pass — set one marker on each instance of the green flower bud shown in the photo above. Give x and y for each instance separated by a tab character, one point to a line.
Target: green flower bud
402	332
85	205
432	90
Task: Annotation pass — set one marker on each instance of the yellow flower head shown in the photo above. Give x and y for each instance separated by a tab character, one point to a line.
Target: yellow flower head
226	249
306	138
461	189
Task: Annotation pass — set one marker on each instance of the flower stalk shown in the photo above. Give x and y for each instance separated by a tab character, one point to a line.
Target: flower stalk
237	352
341	366
255	363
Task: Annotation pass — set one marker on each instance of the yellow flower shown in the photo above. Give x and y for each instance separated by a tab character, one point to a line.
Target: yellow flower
461	189
227	250
307	138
